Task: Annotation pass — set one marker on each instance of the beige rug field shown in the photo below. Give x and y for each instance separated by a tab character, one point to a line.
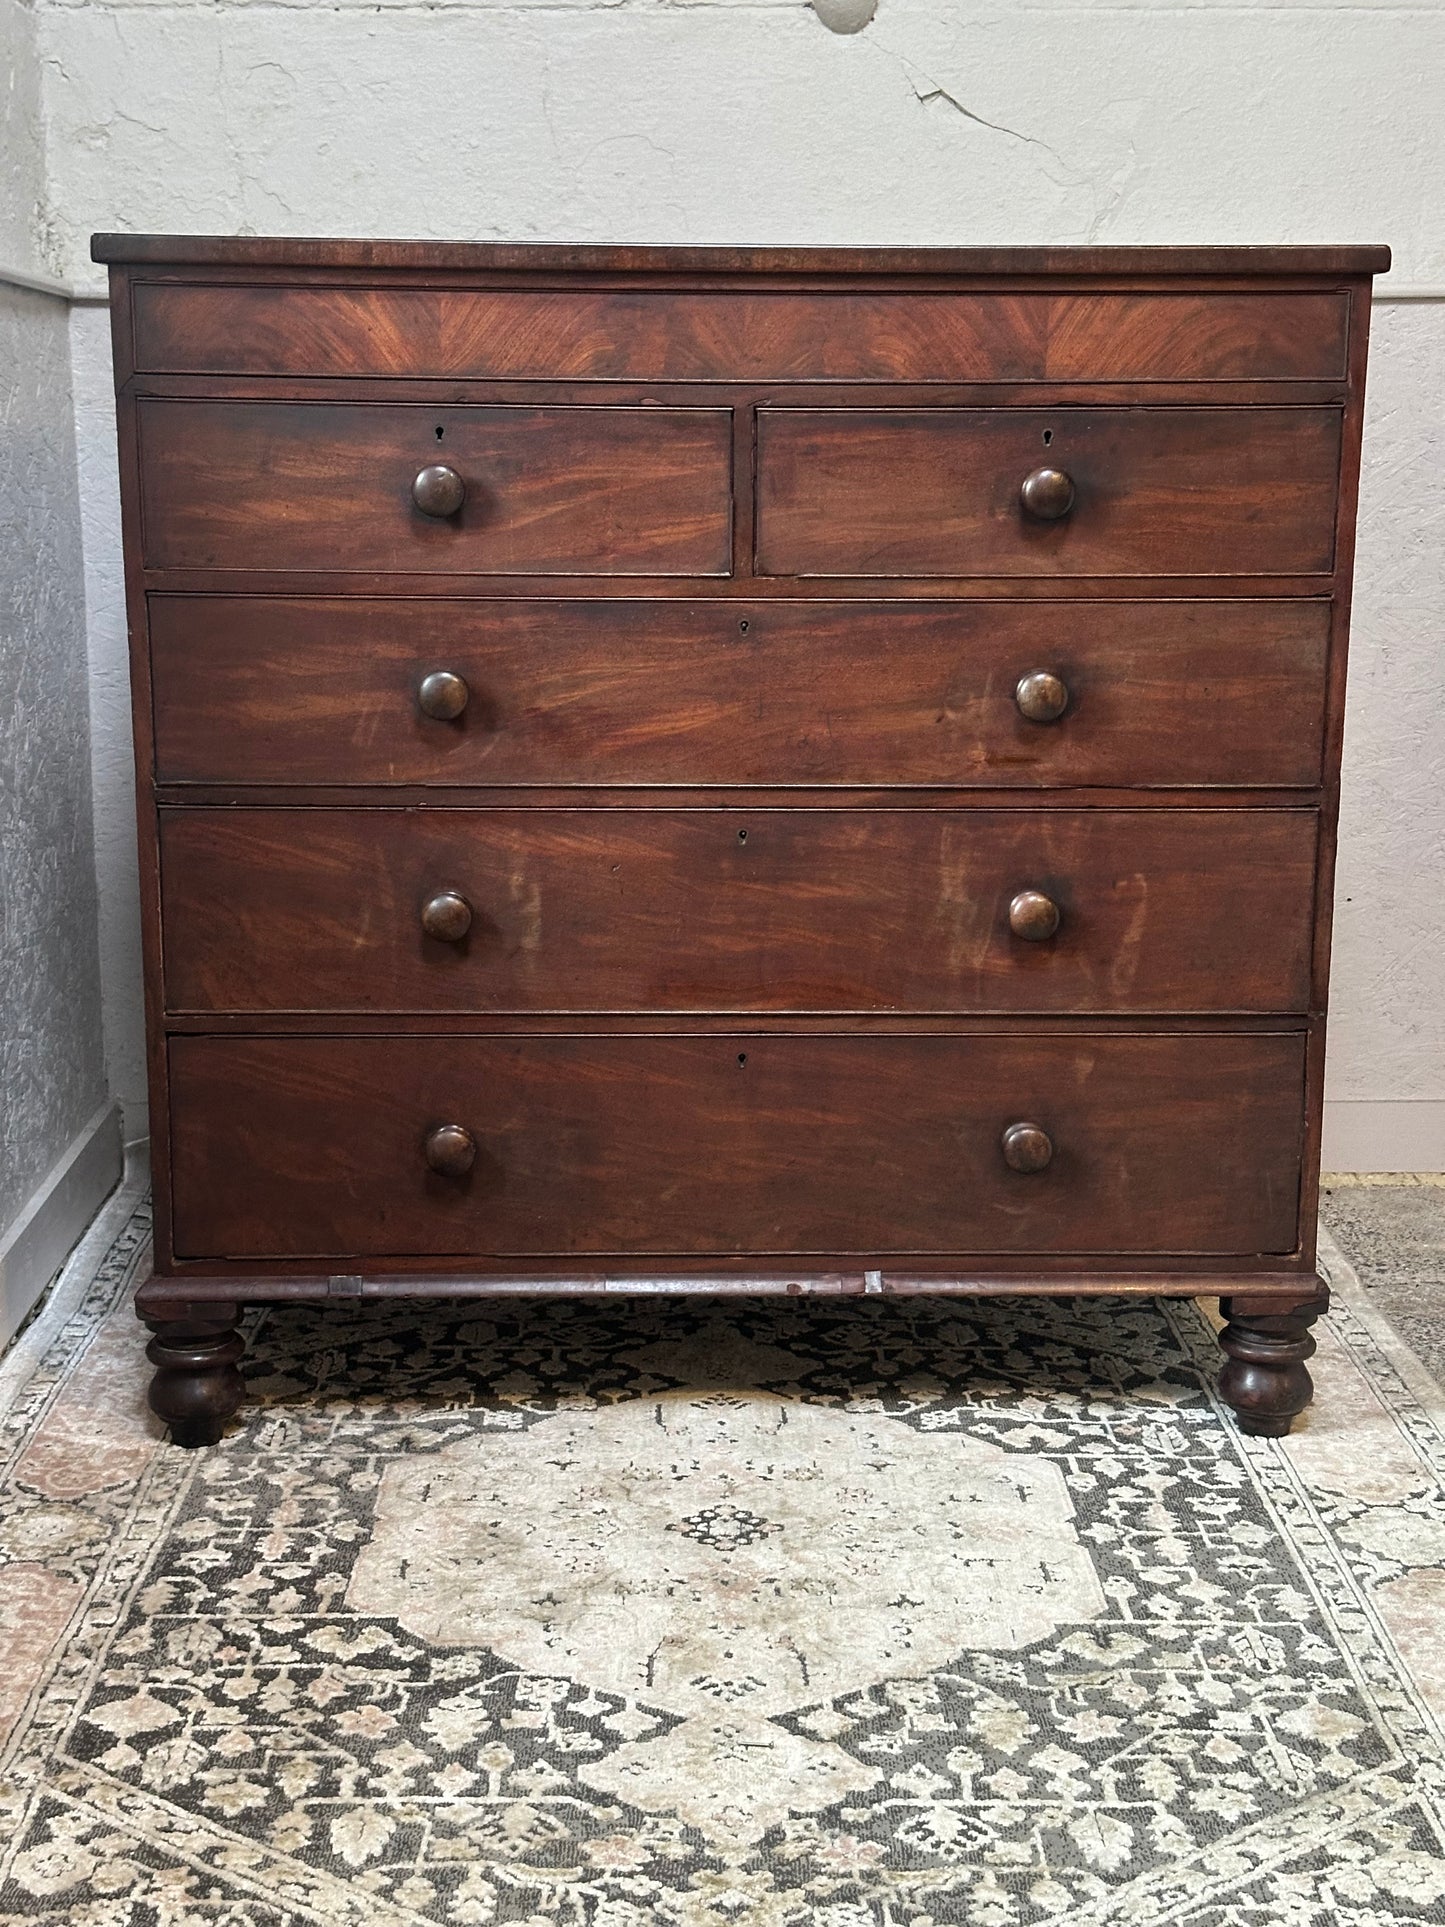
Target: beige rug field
862	1613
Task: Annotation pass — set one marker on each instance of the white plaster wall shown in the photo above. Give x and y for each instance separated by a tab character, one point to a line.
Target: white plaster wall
52	1074
23	218
666	121
1387	1041
58	1147
112	765
745	120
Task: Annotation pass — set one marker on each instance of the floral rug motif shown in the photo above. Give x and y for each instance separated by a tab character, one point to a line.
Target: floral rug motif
863	1613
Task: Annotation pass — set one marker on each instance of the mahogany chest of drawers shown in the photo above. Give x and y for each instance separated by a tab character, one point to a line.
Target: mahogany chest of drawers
736	770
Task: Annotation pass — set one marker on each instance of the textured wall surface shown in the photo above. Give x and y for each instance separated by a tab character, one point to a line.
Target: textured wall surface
665	120
24	224
112	765
1388	1038
745	120
52	1076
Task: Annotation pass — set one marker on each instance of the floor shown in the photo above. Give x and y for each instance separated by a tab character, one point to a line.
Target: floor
1391	1226
886	1612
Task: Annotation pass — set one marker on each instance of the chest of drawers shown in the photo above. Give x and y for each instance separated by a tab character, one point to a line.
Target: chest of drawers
735	771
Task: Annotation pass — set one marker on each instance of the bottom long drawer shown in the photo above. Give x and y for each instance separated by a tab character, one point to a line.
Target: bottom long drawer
302	1147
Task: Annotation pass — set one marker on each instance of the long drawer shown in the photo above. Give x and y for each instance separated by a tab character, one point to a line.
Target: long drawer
1139	491
316	690
320	1147
737	910
602	334
330	485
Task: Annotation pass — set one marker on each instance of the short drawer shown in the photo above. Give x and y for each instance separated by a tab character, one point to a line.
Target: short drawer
1149	491
311	690
605	1146
543	491
737	910
603	334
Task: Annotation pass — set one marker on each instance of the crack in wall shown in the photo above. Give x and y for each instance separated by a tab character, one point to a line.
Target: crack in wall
1117	192
936	92
1108	184
926	90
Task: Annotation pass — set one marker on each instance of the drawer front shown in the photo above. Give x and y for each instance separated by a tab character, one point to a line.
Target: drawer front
297	690
737	910
937	492
324	485
601	334
588	1145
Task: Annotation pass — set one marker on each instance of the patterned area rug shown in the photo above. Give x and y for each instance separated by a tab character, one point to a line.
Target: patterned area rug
864	1614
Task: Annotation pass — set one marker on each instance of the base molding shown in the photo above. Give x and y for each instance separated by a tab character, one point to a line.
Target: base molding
166	1297
35	1247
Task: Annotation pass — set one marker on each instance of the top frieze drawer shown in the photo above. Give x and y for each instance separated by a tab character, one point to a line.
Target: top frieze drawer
741	335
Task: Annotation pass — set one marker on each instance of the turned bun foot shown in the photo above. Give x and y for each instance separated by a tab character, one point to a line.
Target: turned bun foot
1264	1377
198	1384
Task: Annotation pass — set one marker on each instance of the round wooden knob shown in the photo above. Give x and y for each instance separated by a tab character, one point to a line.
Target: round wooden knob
450	1150
439	491
1026	1147
442	696
1047	494
447	916
1033	916
1041	697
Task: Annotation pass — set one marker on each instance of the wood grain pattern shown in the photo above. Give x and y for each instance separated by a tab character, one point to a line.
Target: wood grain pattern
676	648
769	1144
908	910
550	490
1160	491
611	334
292	690
432	258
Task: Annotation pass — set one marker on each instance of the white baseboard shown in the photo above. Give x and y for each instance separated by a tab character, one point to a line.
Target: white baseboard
1384	1134
34	1248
